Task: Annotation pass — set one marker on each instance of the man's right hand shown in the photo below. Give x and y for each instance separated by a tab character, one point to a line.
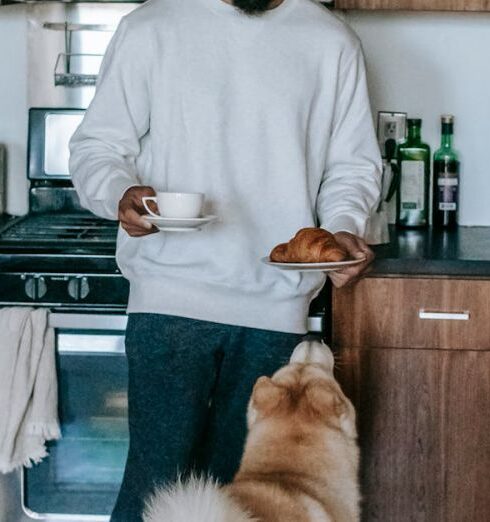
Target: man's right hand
131	210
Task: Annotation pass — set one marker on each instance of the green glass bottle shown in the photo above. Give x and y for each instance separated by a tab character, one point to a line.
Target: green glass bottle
445	200
414	158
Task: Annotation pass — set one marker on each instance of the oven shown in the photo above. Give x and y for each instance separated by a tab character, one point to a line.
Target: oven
61	257
80	479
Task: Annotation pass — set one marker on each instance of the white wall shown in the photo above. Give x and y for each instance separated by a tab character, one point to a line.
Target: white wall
423	63
428	64
13	102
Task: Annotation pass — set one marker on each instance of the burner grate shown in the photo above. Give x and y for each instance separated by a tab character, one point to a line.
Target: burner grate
54	229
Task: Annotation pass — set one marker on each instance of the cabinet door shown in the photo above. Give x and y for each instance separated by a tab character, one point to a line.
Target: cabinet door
427	5
424	427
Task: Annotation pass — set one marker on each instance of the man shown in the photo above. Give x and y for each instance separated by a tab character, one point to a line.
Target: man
263	107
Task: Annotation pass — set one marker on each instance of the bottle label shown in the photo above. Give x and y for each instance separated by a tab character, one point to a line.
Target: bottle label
448	193
412	185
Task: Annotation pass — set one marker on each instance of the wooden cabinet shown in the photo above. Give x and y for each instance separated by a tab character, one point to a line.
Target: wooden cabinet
423	5
421	388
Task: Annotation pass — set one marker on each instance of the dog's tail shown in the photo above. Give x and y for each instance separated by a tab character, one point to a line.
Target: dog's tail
196	500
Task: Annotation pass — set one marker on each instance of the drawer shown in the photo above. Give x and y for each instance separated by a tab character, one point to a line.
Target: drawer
413	313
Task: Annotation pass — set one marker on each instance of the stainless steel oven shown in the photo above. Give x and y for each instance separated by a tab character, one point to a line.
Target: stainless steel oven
61	257
80	479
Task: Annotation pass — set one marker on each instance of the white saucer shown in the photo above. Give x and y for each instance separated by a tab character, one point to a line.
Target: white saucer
179	224
313	267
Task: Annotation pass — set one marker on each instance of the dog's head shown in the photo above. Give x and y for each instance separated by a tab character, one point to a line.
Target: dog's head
304	392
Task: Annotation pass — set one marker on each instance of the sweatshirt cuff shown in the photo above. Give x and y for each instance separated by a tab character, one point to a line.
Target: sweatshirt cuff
346	224
116	190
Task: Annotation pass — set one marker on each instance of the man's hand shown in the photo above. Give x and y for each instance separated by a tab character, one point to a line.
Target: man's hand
356	248
131	209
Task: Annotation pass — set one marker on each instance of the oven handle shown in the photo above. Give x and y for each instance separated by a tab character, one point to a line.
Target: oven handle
107	322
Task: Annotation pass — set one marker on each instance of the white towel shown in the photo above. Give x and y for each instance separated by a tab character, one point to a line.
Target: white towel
28	387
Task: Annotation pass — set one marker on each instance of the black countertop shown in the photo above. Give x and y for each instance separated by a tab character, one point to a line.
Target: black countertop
462	252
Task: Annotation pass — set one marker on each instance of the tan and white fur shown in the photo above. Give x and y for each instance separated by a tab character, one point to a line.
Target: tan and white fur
301	458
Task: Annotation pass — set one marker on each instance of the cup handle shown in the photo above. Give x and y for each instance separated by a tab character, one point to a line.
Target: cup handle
144	199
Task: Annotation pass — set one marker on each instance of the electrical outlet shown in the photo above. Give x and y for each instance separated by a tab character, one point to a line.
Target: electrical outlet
391	125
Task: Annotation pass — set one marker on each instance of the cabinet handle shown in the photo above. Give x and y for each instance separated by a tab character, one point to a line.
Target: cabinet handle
441	316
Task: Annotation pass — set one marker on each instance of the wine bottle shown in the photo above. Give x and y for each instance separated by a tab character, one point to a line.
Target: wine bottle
414	160
445	202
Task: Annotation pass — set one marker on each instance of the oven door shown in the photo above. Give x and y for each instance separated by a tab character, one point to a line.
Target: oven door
80	479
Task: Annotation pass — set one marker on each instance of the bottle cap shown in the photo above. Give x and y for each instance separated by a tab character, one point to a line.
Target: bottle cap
447	118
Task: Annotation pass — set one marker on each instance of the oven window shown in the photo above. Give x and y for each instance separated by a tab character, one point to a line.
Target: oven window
84	469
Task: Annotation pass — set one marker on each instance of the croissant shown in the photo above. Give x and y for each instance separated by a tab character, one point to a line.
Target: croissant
309	245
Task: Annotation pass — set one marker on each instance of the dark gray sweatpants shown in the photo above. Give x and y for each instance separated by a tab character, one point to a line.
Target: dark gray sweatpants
189	385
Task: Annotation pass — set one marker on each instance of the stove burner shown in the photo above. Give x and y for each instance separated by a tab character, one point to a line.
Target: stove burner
59	231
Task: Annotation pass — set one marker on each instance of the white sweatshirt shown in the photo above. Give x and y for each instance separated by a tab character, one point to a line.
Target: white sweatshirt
268	116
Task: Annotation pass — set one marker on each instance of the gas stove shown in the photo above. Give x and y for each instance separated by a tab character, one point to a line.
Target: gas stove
59	271
58	255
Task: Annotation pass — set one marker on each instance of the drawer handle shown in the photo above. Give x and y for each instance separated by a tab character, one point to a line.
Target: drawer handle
447	316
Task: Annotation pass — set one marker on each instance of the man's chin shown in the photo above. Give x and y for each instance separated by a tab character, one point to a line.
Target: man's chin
252	7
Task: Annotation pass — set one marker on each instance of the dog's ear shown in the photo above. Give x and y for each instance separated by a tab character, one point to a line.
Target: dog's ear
324	401
267	395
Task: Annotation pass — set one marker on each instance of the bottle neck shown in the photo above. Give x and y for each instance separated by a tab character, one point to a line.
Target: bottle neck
414	134
447	141
447	136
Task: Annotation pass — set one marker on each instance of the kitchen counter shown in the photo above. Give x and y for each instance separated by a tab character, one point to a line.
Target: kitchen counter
463	252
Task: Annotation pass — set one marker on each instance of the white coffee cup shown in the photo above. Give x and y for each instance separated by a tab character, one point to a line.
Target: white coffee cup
176	204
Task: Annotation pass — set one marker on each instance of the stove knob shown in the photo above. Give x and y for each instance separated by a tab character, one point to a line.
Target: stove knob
35	287
78	288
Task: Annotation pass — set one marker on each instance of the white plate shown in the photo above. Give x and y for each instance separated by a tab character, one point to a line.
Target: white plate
313	267
179	224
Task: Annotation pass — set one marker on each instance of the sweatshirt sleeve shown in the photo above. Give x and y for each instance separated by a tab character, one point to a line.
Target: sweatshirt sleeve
351	181
104	148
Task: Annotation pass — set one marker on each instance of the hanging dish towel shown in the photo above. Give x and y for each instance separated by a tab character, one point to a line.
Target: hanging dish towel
28	387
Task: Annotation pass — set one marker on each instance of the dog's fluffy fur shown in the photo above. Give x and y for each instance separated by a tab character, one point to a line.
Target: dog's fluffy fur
300	462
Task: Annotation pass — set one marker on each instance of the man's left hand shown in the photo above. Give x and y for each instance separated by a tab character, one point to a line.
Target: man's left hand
356	248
